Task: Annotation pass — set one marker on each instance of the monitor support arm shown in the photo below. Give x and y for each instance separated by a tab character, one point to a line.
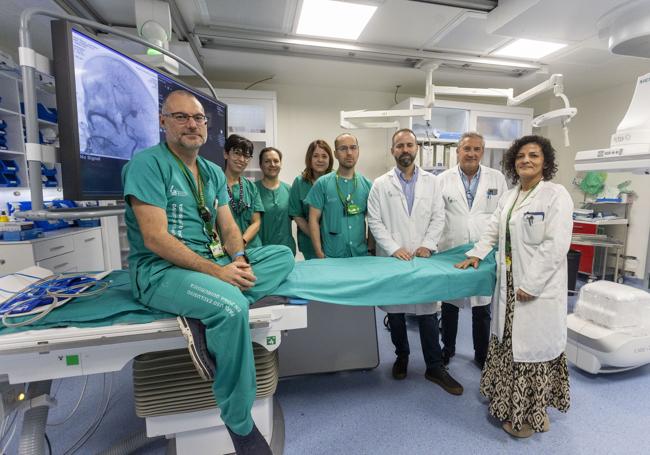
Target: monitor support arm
28	67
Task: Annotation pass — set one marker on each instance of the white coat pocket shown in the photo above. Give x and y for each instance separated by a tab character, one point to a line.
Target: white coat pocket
424	209
533	228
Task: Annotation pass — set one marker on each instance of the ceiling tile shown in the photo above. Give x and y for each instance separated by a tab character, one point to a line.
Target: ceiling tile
406	24
267	15
467	36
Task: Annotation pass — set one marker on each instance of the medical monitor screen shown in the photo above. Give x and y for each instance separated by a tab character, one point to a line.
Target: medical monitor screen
108	111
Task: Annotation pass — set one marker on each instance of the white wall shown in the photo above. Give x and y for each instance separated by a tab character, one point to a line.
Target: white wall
599	114
308	113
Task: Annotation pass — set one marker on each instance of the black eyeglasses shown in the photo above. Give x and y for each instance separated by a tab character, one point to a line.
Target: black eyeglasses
239	153
182	118
345	148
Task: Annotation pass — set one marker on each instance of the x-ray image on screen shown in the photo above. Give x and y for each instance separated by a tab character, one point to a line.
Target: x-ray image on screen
116	103
109	107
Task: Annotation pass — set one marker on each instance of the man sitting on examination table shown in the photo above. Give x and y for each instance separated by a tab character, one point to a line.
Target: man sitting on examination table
180	264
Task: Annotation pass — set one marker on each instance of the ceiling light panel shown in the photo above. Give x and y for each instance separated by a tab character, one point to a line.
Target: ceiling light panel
528	49
333	19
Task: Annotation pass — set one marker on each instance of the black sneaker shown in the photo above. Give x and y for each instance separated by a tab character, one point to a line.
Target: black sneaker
194	332
399	367
441	376
447	355
251	444
479	362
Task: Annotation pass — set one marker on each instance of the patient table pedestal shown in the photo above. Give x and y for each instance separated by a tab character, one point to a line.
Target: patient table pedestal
202	432
337	338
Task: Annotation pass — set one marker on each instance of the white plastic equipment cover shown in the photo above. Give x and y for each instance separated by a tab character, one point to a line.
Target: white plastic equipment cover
615	306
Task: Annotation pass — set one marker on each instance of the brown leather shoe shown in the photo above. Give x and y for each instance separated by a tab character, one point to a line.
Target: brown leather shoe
400	367
547	424
441	376
525	432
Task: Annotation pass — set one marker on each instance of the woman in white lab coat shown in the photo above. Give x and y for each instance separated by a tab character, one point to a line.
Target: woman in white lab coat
526	369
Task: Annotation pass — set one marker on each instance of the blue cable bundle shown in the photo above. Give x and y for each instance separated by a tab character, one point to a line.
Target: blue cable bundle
44	295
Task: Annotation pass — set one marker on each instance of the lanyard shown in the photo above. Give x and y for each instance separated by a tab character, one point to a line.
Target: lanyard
241	205
345	200
197	191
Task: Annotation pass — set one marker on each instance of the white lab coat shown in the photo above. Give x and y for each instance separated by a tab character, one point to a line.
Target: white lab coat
540	232
463	225
393	227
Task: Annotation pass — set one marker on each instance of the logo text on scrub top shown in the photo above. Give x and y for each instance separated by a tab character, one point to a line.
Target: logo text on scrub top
176	220
174	192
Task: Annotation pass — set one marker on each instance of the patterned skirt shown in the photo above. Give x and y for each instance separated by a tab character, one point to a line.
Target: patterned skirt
520	392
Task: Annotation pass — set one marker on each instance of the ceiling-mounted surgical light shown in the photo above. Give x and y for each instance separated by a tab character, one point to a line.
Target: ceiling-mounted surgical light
627	29
334	19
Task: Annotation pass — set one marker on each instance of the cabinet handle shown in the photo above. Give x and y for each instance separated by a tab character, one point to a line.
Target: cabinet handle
54	248
90	239
60	265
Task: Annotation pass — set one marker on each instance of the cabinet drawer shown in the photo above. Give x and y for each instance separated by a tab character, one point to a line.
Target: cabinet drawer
89	251
584	228
88	242
15	257
59	264
52	247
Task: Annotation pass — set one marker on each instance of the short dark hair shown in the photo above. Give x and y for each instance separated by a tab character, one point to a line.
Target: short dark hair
269	149
403	130
308	173
235	141
550	166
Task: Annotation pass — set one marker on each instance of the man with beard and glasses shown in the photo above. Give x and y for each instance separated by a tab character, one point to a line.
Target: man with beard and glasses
180	264
406	216
337	206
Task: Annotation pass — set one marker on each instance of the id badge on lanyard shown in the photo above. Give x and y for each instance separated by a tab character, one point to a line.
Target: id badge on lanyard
215	246
352	209
216	249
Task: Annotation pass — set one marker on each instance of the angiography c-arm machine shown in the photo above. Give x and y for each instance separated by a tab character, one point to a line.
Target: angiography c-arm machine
609	330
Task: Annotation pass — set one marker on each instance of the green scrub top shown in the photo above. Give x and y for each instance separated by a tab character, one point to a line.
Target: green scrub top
253	204
154	177
298	207
342	235
276	223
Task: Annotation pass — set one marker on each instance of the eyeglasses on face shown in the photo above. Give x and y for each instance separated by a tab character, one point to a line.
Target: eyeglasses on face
182	118
239	153
345	148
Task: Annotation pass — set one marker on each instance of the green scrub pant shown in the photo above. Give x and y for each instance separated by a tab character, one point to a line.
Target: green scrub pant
223	309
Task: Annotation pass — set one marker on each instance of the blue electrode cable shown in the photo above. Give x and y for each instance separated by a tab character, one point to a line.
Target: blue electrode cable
44	295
